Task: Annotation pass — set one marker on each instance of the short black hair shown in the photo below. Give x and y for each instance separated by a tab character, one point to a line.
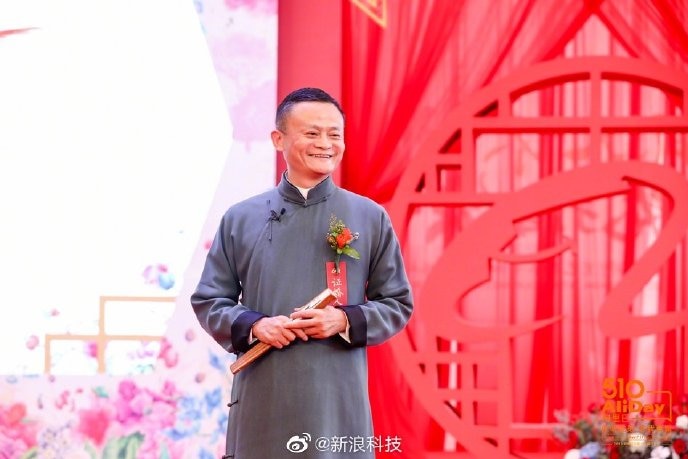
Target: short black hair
302	95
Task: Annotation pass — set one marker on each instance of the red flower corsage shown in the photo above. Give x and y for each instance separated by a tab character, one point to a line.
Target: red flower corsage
339	237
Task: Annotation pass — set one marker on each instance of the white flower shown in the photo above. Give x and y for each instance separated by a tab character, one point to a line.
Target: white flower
663	452
682	422
637	442
77	454
572	454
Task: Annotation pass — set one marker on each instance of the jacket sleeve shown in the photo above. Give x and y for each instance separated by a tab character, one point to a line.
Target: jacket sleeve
389	301
216	299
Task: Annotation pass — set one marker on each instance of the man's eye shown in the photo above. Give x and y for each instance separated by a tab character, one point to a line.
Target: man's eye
336	136
311	134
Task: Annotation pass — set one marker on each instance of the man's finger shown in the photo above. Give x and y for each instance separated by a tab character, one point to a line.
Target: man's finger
314	332
301	324
307	314
288	334
300	333
284	340
283	319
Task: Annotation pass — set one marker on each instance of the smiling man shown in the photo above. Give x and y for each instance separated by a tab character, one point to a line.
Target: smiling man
275	252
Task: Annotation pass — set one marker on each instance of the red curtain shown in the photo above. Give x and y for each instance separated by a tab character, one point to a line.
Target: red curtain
429	57
386	72
400	80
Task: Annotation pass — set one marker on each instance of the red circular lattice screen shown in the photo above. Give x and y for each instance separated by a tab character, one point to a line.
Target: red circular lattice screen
443	349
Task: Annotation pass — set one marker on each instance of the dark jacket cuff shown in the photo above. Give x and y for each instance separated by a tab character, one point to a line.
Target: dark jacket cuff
358	327
241	329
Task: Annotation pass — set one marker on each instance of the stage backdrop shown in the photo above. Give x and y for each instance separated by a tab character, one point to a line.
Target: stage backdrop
126	130
503	166
532	155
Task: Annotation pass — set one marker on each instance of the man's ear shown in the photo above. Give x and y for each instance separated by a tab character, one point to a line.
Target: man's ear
277	138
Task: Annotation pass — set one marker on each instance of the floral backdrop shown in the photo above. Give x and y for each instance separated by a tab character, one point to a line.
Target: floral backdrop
593	435
159	416
92	392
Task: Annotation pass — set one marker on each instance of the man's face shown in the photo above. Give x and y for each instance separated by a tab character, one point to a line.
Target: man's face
312	142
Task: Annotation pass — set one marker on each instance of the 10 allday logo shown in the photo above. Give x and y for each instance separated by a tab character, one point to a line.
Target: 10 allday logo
624	398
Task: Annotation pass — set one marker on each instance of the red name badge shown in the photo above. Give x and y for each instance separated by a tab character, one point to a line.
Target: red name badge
336	281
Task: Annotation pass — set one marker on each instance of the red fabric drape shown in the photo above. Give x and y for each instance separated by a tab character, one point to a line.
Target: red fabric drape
430	56
653	29
398	81
385	74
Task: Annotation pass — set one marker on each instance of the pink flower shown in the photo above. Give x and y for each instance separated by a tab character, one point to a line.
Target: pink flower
62	399
141	403
149	448
168	354
93	423
128	389
177	449
91	349
11	448
32	342
15	430
162	415
12	416
130	406
169	389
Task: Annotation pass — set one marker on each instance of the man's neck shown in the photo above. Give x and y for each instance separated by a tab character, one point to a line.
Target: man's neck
304	184
303	191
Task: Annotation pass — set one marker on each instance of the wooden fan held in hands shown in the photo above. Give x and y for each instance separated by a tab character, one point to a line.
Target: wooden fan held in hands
323	299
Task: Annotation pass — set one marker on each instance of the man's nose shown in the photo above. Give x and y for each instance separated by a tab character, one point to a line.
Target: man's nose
324	142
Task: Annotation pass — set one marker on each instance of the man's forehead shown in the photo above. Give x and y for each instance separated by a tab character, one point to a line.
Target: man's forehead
322	126
315	111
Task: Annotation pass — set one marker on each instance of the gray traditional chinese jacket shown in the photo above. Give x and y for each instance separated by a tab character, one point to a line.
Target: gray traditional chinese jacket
268	257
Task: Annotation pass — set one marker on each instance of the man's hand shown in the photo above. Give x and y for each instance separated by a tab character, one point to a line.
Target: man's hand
318	323
272	331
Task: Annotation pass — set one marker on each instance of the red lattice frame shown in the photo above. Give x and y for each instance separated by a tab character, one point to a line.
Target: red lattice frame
465	262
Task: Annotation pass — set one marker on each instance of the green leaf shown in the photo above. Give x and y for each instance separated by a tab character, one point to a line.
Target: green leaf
350	251
100	392
340	251
91	450
124	447
111	449
30	454
132	447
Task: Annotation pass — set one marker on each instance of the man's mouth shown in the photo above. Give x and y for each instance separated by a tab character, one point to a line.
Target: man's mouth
321	156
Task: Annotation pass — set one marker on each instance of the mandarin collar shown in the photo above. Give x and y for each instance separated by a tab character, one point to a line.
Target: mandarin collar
318	193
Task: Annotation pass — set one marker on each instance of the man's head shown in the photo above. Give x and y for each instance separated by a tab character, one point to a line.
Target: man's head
310	134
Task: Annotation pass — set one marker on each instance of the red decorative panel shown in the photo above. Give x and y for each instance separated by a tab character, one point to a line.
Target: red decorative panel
444	177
